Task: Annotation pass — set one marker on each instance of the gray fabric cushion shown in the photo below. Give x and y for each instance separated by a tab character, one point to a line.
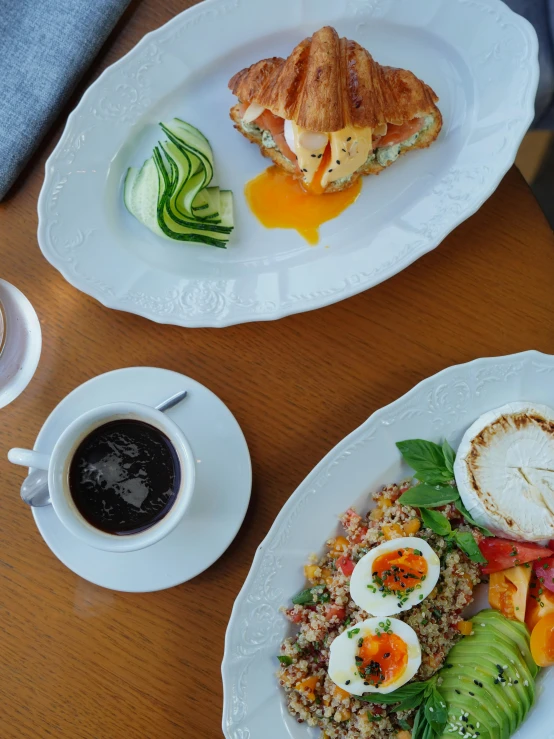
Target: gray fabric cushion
45	46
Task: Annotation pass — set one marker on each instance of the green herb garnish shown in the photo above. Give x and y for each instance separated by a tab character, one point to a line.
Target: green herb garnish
284	660
434	468
463	539
307	596
432	713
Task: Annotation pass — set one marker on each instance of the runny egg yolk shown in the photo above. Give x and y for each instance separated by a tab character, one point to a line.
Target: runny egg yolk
382	659
280	201
400	569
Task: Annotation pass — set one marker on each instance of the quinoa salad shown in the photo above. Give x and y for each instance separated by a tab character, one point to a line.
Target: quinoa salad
321	613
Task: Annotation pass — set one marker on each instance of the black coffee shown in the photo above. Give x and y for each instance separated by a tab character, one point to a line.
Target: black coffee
124	476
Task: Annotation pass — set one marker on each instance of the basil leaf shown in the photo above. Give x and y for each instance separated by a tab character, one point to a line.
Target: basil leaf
466	514
468	545
420	725
428	496
412	701
403	693
436	522
435	711
427	459
284	660
449	457
428	732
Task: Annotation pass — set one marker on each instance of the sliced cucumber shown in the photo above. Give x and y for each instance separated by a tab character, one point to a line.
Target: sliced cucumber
169	194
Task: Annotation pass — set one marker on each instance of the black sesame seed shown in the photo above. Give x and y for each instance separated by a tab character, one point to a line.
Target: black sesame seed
313	155
476	682
457	691
465	718
319	156
349	138
347	682
516	682
329	170
387	654
338	161
304	170
344	151
471	694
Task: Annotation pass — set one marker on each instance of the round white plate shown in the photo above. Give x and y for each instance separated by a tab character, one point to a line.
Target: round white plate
21	353
478	56
221	494
443	406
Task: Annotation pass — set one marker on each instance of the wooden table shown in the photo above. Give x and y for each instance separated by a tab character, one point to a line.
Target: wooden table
81	662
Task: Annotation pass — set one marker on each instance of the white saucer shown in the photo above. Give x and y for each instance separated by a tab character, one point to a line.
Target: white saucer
21	353
221	496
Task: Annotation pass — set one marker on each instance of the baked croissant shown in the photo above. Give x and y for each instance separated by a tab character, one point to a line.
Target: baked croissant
330	113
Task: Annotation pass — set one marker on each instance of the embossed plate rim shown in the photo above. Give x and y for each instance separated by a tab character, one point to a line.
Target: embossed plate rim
484	378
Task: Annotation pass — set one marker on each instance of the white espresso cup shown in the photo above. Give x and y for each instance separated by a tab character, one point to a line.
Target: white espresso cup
58	464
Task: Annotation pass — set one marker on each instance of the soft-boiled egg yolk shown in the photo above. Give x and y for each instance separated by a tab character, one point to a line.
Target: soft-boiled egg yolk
395	576
401	569
374	656
279	201
384	658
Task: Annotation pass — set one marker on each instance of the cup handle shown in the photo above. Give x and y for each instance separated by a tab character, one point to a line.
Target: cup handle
29	458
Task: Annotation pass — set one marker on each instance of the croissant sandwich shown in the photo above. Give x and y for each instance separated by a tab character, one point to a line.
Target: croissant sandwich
329	113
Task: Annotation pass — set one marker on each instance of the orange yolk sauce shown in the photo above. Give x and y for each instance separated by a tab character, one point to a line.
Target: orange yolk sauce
280	201
382	659
400	570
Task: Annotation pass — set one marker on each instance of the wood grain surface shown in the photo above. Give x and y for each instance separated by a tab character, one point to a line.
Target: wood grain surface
81	662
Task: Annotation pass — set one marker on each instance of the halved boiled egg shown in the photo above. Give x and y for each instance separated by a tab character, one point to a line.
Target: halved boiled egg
374	656
395	576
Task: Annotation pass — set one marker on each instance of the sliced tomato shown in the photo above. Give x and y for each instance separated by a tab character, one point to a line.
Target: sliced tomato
360	535
397	134
542	641
501	554
295	616
333	610
544	570
345	565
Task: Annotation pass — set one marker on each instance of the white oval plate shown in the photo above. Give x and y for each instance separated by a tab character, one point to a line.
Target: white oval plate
479	57
443	406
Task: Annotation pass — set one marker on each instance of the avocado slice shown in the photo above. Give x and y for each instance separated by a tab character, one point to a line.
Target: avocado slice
517	674
490	703
490	677
479	718
513	630
480	662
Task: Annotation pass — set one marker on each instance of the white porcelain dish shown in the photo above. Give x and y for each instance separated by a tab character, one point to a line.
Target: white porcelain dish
479	57
442	406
